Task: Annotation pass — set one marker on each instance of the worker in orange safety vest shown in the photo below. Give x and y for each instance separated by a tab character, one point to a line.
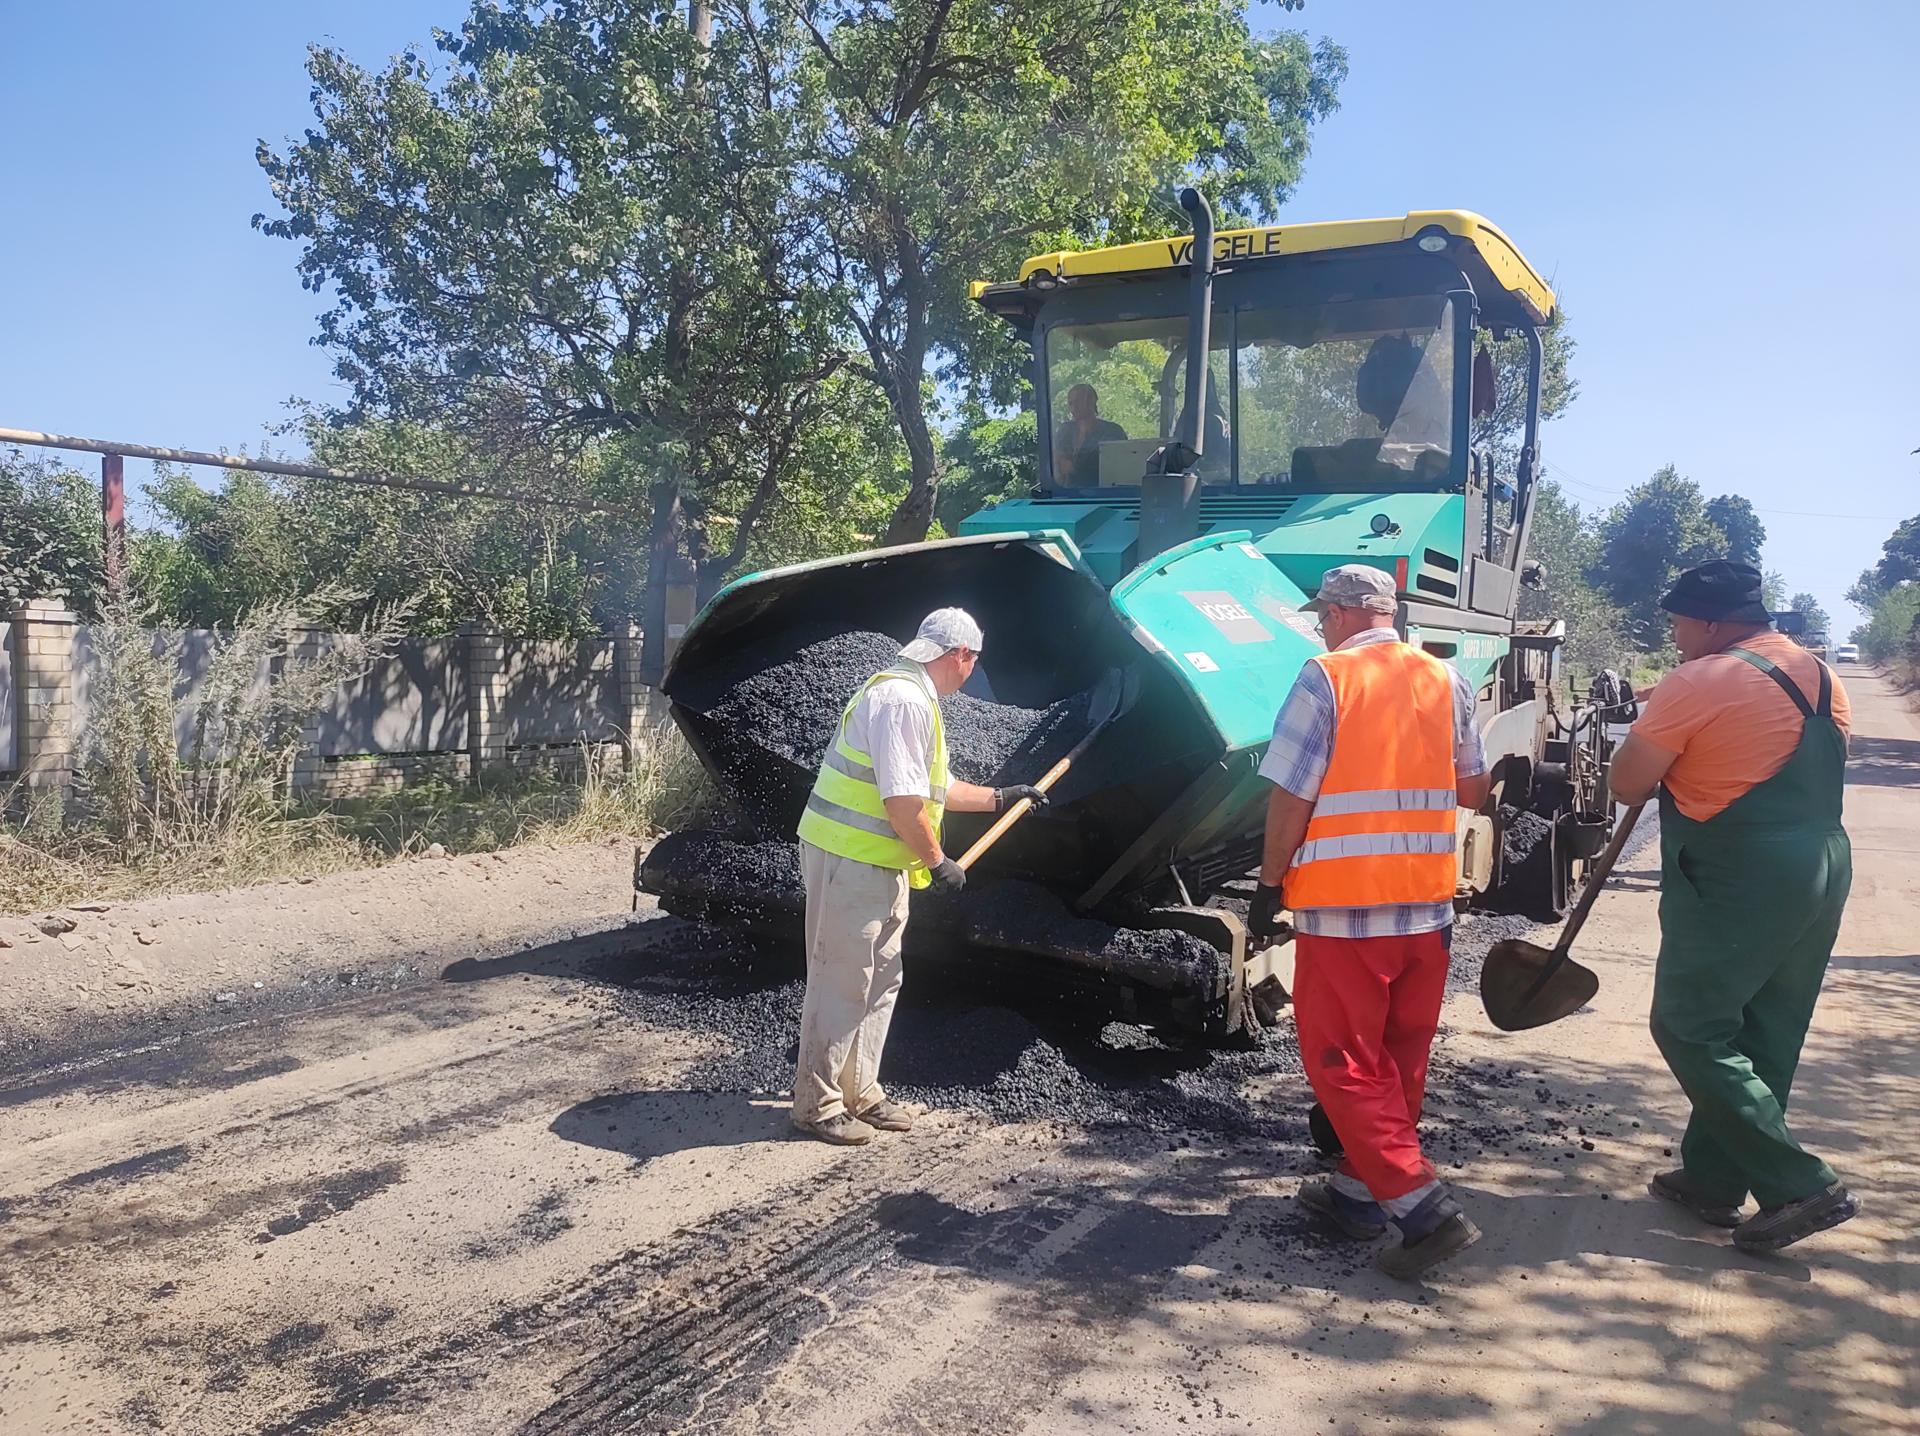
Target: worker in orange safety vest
1372	751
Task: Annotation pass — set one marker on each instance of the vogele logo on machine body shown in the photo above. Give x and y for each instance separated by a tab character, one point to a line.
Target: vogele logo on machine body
1229	615
1247	245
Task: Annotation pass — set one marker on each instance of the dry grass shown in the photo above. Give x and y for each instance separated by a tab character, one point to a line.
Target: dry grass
45	862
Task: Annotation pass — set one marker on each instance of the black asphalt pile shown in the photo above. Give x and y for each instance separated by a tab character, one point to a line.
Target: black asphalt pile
1523	834
786	692
712	877
1010	1062
706	874
784	695
999	743
1026	917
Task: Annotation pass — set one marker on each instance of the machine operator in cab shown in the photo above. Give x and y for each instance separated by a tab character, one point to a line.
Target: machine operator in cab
1077	441
1747	742
869	833
1372	751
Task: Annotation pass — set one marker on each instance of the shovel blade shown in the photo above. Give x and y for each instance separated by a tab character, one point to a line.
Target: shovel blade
1510	975
1112	695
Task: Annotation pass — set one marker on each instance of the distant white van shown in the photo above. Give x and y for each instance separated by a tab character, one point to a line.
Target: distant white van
1847	653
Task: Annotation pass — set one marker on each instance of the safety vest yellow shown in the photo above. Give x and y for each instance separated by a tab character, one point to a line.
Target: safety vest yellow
845	814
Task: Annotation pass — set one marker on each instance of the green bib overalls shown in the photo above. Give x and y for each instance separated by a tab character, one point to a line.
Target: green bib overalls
1750	904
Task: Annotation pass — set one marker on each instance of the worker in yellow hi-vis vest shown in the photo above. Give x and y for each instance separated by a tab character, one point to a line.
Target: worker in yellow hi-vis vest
870	832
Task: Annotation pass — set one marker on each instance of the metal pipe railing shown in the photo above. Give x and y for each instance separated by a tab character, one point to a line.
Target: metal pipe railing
461	490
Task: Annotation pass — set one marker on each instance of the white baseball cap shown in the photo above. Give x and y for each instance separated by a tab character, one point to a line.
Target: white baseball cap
942	631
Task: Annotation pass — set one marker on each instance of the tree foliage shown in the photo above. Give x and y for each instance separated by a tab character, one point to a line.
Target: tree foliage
578	230
1564	541
1504	428
1899	563
1740	527
1817	620
960	136
1889	594
989	459
50	535
1891	633
1662	526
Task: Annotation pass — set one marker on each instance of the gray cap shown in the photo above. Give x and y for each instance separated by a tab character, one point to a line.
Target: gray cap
1355	585
942	631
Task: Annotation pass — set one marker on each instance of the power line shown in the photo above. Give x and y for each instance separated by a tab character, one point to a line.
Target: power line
1559	471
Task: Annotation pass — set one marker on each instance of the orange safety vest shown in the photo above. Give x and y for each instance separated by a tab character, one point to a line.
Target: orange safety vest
1383	826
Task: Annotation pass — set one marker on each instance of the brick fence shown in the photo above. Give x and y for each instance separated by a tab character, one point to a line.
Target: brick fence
472	706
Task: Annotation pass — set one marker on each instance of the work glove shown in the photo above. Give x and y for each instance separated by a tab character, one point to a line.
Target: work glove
948	877
1263	918
1004	798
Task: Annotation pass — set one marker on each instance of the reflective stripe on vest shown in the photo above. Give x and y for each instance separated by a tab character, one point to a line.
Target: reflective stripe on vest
845	814
1383	826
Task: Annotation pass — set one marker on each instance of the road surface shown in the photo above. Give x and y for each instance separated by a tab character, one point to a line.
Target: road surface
537	1178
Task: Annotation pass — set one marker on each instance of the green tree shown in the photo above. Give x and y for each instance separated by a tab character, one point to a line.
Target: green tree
50	534
1899	563
988	459
1740	528
1892	631
1564	542
1660	527
962	135
1503	428
1817	620
582	231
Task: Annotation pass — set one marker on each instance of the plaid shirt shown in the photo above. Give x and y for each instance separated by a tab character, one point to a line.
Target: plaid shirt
1297	761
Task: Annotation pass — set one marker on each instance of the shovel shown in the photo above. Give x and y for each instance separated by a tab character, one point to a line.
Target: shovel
1112	696
1525	985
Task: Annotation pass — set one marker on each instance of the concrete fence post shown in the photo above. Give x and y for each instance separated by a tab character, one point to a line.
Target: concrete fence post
486	663
641	706
309	645
43	694
683	602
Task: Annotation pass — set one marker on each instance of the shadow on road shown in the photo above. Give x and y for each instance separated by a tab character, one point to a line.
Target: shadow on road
1133	1238
645	1125
1884	762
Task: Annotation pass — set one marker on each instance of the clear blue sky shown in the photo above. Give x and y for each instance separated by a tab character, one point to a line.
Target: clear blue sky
1724	194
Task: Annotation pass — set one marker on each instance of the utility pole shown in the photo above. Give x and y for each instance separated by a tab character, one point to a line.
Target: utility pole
113	521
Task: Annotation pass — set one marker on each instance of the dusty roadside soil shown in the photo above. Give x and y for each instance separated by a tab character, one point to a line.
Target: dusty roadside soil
483	1151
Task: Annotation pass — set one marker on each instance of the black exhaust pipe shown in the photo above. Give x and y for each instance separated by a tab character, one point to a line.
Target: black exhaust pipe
1170	488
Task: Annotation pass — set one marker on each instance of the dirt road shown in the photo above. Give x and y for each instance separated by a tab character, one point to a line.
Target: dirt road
482	1152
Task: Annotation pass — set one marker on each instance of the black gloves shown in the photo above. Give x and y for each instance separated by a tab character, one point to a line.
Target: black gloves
1004	798
1263	918
949	877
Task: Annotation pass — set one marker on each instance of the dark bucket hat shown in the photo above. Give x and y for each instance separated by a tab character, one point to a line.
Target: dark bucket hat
1718	592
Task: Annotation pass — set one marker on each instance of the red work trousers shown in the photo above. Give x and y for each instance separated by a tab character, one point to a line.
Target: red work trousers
1366	1009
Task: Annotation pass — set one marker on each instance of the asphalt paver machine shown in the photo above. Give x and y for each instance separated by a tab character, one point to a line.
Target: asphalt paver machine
1179	518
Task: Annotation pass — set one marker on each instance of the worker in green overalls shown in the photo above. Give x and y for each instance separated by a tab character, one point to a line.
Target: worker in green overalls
1747	741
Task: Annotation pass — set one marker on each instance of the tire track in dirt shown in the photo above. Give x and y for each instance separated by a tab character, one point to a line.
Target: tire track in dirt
708	1310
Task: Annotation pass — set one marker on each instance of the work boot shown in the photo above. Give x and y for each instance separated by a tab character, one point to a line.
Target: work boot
843	1129
1358	1219
1775	1227
1674	1187
888	1115
1429	1234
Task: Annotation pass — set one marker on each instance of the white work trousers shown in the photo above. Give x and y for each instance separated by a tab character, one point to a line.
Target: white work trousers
856	916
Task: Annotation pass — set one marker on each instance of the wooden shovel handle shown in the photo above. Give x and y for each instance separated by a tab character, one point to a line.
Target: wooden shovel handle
1597	878
1014	814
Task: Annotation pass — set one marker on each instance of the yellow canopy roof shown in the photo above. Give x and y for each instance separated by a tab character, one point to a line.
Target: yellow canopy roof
1477	244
